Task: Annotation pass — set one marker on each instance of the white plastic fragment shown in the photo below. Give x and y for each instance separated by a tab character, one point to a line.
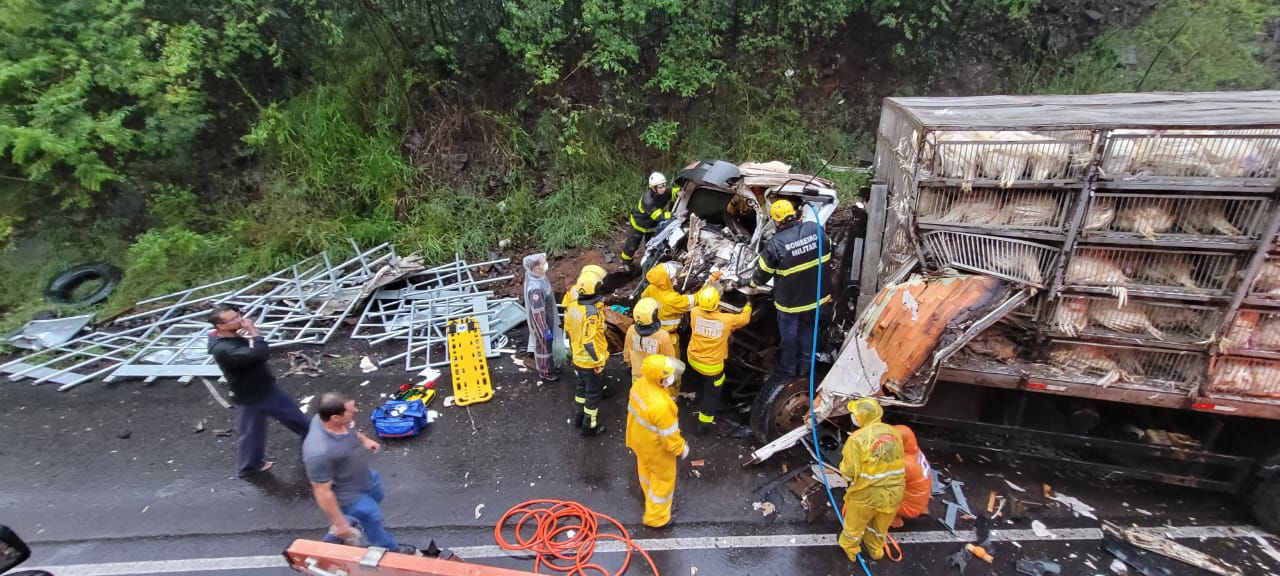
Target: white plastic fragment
1077	507
1040	530
367	365
1015	486
479	507
448	401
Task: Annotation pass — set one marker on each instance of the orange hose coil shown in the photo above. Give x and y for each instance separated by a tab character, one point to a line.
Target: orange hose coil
563	536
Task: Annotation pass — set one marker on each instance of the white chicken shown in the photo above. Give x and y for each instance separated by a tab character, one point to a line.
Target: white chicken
1072	316
973	209
1207	217
1256	378
1088	269
1089	361
1169	270
993	344
1147	217
1129	319
1267	337
1022	266
958	160
1029	209
1240	333
1268	279
1102	211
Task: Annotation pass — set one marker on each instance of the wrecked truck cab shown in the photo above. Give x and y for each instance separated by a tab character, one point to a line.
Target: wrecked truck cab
721	216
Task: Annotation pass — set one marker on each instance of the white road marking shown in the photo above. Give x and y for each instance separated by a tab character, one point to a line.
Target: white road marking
656	544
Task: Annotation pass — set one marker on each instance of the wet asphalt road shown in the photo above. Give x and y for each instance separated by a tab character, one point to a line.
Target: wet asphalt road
117	474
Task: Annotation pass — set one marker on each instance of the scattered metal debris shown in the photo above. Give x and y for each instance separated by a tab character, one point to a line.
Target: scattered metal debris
1170	549
1129	555
41	334
1037	567
1077	507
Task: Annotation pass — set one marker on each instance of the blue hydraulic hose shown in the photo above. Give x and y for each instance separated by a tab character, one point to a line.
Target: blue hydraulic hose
813	363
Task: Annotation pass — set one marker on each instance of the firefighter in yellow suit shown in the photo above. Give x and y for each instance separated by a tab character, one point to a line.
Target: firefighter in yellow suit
584	323
672	305
646	337
708	348
872	465
653	433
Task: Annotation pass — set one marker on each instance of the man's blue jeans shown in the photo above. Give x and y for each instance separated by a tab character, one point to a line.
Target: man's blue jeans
795	347
366	509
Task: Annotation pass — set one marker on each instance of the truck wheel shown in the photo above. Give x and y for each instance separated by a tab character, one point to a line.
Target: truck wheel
1264	503
779	408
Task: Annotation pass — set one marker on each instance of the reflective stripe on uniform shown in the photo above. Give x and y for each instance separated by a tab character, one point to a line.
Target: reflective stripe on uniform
579	400
706	418
707	369
650	427
898	472
802	267
639	227
761	265
671	322
803	308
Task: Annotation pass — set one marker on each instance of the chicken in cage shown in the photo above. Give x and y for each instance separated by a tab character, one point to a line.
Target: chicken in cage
1246	378
1021	265
1090	269
1029	208
1131	318
1106	365
1102	212
1169	270
1006	156
1072	316
1207	217
1267	282
1194	153
1148	217
994	344
1252	330
974	208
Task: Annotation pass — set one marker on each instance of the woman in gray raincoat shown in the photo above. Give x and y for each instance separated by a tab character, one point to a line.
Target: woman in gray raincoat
544	321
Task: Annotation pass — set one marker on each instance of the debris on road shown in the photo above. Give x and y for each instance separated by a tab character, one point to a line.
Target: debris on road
1015	486
1168	548
479	507
1040	530
303	364
199	426
223	432
41	334
1077	507
125	435
1037	567
765	508
1119	568
367	365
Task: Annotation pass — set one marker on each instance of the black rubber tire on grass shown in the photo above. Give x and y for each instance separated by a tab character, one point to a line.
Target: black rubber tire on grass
62	287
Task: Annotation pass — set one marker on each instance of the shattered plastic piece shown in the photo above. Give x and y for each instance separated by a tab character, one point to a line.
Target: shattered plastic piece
1077	507
432	415
1119	568
448	401
479	507
1015	486
367	365
365	383
1041	530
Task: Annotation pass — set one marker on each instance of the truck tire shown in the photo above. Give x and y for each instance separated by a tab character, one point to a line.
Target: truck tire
779	408
61	289
1264	503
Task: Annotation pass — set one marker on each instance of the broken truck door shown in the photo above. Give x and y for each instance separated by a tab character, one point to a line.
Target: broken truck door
894	350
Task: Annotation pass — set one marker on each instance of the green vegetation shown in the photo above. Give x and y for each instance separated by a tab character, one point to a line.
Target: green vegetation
189	142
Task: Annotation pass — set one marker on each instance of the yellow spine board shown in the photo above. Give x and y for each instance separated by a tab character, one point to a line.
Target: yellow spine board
467	364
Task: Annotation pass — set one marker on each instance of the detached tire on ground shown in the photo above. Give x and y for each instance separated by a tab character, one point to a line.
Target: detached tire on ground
779	408
62	289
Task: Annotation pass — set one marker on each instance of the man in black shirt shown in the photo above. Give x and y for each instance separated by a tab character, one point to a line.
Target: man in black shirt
243	361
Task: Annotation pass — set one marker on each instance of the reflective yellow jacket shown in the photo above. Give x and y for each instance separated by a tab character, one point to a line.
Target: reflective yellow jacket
640	347
672	305
653	426
709	341
872	460
585	326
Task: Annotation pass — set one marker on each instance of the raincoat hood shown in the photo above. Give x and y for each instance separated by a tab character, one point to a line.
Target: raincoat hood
660	276
909	444
865	412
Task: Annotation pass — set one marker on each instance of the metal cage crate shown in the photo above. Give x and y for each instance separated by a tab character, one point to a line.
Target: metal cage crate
1266	284
996	208
1016	260
1254	330
1150	270
1150	320
1007	156
1154	217
1181	154
1125	366
1245	377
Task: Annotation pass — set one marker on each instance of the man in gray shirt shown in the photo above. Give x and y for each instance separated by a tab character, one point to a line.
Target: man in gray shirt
337	456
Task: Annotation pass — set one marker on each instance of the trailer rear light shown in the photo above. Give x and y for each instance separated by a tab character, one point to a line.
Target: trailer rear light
1043	386
1210	407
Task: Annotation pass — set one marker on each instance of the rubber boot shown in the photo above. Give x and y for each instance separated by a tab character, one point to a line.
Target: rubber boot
589	430
577	417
